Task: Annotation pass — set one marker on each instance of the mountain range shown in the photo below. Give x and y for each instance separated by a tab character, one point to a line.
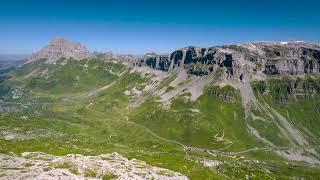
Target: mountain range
245	111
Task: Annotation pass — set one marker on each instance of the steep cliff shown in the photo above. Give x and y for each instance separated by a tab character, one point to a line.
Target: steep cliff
246	61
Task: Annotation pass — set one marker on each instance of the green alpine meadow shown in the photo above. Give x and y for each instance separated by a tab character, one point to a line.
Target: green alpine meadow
247	111
159	90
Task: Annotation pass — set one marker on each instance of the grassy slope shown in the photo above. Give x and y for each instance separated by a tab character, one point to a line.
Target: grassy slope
197	129
101	128
68	79
98	125
298	105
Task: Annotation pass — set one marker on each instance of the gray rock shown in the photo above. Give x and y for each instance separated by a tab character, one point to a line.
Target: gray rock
61	48
239	62
39	165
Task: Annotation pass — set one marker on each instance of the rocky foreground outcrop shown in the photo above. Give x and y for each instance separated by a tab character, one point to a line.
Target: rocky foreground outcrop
246	61
37	165
60	48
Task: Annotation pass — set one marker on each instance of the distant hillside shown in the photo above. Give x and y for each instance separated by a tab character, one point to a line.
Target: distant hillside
13	57
6	65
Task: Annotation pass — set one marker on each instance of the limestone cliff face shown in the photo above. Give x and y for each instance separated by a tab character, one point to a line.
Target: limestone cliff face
61	48
246	61
239	62
158	62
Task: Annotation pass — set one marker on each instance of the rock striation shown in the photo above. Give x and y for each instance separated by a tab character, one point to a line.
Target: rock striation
240	62
59	49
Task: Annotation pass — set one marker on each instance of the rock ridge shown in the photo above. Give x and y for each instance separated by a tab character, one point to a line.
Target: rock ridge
240	62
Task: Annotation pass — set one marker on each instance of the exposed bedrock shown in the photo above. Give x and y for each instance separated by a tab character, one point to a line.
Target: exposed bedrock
241	62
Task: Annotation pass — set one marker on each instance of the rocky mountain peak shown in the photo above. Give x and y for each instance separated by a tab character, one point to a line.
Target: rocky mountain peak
58	40
60	48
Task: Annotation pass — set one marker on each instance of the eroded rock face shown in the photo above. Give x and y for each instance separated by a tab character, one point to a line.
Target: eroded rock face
158	62
61	48
241	62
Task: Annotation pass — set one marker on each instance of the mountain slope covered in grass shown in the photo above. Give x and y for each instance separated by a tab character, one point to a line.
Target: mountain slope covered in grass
218	113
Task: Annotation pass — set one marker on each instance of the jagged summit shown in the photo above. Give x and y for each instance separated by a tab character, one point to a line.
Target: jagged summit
61	48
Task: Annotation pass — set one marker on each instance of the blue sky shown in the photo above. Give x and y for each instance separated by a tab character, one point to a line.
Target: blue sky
141	26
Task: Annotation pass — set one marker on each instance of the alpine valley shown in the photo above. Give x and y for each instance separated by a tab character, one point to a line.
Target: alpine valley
246	111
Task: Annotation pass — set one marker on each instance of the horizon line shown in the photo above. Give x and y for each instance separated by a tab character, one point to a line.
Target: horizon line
160	53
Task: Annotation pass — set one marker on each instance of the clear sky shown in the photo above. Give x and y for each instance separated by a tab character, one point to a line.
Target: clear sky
140	26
